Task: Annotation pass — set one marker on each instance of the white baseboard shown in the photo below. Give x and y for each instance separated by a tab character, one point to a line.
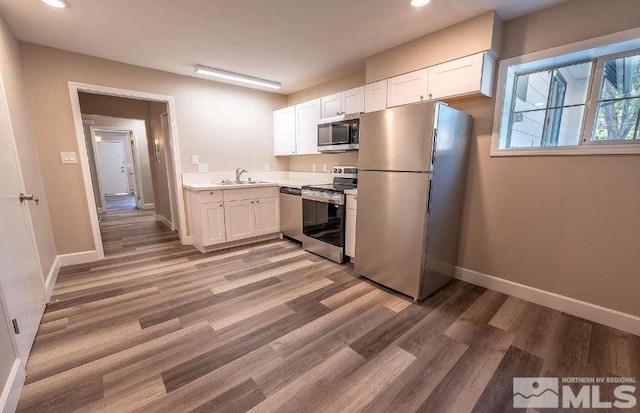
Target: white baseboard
165	221
78	258
51	278
582	309
13	387
187	240
149	206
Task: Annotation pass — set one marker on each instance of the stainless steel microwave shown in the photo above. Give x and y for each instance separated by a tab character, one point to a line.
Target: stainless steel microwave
339	135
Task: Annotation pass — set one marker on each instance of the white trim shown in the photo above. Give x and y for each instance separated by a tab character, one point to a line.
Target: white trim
78	258
582	50
51	278
74	89
96	161
149	206
578	308
172	201
13	387
165	221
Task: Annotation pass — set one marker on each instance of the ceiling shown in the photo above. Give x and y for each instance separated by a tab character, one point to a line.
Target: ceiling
299	43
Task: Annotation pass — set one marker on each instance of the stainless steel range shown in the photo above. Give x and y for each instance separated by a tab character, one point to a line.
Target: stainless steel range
323	214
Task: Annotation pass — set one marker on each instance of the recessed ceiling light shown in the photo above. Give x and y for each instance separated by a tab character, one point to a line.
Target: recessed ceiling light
236	77
59	4
419	3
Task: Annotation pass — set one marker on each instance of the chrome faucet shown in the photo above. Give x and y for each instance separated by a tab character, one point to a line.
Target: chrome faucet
239	173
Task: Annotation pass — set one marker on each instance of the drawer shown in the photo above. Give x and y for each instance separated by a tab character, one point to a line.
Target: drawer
250	193
352	201
207	197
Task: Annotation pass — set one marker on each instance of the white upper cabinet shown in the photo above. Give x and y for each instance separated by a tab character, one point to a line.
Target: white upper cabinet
332	105
466	76
284	131
375	96
353	100
408	88
307	116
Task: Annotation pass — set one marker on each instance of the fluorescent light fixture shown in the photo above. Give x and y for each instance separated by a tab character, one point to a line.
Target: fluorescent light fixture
59	4
236	77
419	3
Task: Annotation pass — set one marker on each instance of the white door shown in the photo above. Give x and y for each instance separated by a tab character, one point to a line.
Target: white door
20	278
375	96
284	131
331	105
239	219
307	116
354	100
408	88
212	223
267	215
112	167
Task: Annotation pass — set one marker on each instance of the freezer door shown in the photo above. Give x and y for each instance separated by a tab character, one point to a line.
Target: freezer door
398	139
390	228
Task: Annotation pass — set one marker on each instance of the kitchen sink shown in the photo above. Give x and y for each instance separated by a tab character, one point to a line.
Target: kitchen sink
241	182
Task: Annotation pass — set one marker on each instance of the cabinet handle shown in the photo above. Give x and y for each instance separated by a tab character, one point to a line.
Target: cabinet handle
210	193
421	97
355	198
220	205
252	202
257	202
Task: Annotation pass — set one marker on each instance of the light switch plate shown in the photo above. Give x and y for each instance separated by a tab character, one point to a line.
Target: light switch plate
194	159
203	168
68	157
266	167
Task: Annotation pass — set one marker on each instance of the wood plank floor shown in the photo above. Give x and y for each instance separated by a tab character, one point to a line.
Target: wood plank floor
160	327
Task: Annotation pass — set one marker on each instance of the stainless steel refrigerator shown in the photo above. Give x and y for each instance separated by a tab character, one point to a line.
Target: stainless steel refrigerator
412	172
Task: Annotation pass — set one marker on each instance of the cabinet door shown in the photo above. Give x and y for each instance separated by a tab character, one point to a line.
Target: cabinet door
331	105
458	77
239	218
267	215
284	131
375	96
213	230
353	100
307	116
407	88
350	233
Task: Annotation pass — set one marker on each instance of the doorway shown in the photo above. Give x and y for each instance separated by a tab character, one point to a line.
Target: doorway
163	196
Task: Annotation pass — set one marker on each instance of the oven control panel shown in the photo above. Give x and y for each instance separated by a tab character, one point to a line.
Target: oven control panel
345	171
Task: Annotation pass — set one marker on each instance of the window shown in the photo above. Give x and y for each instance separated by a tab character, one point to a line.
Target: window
618	102
584	101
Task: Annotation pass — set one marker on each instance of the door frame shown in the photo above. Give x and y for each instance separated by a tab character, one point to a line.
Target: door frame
135	158
74	89
10	395
172	200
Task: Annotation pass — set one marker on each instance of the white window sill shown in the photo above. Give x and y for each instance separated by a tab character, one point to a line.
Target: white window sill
606	149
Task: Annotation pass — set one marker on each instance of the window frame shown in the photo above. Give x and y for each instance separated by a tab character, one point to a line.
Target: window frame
597	50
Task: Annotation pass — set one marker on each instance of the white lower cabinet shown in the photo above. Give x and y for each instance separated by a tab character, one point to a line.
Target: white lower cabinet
267	213
213	229
240	219
222	216
350	227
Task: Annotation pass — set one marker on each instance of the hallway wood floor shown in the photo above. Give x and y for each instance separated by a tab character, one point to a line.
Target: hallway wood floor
160	327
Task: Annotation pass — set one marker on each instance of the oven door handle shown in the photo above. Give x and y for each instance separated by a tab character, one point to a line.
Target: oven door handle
323	199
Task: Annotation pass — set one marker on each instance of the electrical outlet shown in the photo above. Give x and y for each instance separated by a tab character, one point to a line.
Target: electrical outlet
266	167
68	157
325	167
314	167
194	159
203	168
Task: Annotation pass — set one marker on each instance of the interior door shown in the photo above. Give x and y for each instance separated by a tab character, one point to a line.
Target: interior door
112	167
171	177
20	279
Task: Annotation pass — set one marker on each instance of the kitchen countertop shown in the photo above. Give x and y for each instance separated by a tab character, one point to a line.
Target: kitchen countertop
258	184
353	191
